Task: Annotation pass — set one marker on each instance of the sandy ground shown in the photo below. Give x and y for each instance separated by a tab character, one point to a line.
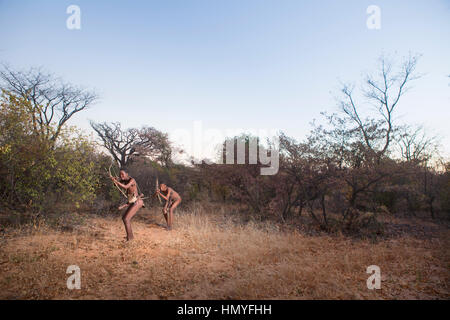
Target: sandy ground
211	257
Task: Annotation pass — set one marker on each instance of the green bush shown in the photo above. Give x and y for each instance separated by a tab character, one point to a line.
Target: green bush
38	172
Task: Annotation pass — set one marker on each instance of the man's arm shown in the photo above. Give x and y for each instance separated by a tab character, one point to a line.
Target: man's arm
165	197
125	186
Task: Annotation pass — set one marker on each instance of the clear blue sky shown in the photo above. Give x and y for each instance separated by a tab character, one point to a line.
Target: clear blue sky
230	64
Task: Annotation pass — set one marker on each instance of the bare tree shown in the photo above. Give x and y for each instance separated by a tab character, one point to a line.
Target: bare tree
124	144
52	102
383	90
415	145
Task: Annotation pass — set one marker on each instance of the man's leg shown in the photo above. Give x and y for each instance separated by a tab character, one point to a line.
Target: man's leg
171	209
165	216
166	213
131	211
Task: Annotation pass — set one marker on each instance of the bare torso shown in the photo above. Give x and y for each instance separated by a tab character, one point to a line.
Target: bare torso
132	190
173	195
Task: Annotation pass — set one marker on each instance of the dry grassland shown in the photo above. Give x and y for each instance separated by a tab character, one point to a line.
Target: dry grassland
209	256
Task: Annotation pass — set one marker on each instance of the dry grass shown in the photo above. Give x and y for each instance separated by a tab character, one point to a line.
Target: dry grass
211	257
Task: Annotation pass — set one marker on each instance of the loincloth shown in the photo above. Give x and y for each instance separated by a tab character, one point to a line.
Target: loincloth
132	199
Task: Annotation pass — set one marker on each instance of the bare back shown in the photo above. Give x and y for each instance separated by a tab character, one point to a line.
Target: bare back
172	194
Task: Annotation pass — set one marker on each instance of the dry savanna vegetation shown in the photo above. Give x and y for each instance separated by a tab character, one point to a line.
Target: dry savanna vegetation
361	189
212	255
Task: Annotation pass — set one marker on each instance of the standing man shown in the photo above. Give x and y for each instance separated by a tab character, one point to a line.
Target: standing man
134	203
173	199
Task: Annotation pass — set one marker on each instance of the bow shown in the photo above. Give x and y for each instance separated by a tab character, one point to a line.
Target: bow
157	188
111	176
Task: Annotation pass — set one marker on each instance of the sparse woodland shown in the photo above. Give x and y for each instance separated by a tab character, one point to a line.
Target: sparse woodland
359	176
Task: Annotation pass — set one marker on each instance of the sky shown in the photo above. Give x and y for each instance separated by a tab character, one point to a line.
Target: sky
247	64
